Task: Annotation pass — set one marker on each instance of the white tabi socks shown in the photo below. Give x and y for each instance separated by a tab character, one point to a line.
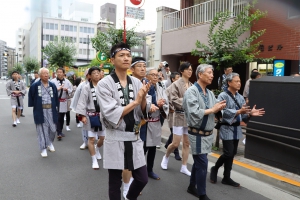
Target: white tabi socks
95	164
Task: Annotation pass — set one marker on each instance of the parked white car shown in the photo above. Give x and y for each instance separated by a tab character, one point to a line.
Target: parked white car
3	77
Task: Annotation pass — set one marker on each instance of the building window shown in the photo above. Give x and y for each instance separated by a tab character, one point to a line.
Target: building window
81	29
51	26
56	26
84	51
66	27
51	37
71	28
85	29
62	27
47	37
75	28
80	51
92	30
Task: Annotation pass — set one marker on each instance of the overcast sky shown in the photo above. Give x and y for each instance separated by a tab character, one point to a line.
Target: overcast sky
15	13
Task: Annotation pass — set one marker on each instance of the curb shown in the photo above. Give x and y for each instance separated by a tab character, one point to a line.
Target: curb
276	180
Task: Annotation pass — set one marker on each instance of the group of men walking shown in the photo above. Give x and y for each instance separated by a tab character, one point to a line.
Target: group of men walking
124	113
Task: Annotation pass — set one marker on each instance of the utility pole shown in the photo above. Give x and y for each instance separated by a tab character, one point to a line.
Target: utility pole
88	44
42	61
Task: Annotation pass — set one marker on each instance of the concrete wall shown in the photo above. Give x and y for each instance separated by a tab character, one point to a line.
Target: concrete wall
184	40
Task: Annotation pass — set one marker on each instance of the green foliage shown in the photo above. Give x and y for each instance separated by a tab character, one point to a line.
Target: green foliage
105	40
94	63
17	67
60	52
224	49
31	64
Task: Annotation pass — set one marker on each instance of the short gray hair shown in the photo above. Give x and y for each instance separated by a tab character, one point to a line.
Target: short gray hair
149	70
230	76
43	69
201	69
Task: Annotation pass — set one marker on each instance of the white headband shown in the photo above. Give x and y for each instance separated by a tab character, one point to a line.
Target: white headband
142	61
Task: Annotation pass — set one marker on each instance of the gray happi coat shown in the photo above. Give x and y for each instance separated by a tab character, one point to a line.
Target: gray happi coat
111	111
154	128
194	108
76	96
86	104
10	87
171	108
63	106
177	91
229	116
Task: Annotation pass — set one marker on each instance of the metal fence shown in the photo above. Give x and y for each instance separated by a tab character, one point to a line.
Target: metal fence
201	13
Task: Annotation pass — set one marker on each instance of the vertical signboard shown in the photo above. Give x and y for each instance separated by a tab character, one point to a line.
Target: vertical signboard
278	69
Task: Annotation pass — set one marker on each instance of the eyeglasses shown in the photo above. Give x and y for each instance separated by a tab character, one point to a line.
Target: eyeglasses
154	75
189	70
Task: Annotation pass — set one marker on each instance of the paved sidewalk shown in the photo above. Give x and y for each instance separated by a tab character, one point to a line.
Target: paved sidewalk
274	176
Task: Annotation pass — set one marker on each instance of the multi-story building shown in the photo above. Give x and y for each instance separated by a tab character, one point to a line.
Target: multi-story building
22	43
178	31
79	11
3	58
47	8
282	37
108	12
150	48
11	58
77	32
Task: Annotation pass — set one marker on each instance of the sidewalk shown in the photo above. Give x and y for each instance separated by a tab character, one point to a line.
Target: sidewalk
271	175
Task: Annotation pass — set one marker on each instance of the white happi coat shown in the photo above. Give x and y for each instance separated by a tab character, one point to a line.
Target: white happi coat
86	104
111	111
76	96
10	87
154	126
63	105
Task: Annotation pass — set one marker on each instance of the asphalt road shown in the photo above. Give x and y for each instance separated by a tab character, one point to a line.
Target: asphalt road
67	174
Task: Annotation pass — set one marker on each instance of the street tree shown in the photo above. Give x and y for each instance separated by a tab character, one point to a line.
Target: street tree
31	64
60	52
224	48
104	40
17	67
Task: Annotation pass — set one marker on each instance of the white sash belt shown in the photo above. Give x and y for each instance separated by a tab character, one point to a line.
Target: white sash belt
117	135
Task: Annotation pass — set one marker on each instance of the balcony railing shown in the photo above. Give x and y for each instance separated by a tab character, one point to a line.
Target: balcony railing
201	13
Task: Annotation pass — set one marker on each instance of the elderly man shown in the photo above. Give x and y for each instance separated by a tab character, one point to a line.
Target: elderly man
230	130
15	88
123	101
153	127
199	106
43	98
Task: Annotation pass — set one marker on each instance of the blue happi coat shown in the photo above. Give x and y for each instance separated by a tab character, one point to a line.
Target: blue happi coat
35	101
